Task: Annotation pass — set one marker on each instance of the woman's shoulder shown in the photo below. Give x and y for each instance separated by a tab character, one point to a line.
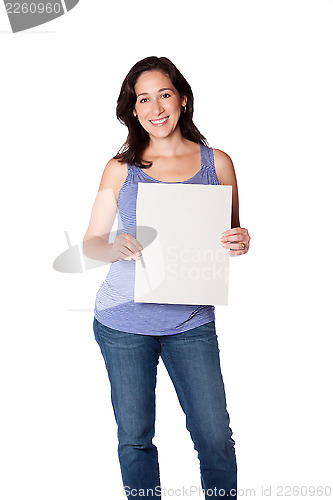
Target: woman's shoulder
115	167
114	174
224	167
221	156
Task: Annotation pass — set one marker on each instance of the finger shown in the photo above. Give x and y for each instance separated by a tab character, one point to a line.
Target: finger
233	237
130	257
125	248
233	231
237	238
234	246
129	254
132	242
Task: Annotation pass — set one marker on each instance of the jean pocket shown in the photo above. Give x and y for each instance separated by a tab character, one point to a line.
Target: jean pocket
203	331
207	334
116	338
103	330
210	339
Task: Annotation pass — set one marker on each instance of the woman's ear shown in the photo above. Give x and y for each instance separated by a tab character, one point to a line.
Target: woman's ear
184	101
134	113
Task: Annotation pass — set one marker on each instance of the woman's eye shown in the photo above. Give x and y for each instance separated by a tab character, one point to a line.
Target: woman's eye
166	95
144	99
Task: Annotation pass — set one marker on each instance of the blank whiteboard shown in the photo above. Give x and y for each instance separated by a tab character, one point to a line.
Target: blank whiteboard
185	263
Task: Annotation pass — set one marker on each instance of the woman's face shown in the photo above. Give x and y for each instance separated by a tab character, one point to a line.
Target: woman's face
158	105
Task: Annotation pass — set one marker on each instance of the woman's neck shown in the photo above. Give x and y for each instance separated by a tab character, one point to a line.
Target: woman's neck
174	145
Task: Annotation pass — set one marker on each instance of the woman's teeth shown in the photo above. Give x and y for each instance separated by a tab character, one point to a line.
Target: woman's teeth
159	122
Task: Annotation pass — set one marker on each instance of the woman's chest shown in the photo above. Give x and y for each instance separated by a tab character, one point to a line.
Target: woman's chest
174	169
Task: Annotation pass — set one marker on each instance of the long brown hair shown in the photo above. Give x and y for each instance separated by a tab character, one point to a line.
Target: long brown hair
138	138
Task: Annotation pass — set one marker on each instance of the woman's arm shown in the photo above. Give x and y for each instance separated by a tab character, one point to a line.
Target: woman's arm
226	174
237	239
95	241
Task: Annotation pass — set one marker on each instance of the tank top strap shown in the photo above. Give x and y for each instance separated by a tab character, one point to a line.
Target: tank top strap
130	168
132	173
207	157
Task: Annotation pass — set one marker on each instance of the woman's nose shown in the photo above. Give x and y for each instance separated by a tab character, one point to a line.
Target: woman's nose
157	107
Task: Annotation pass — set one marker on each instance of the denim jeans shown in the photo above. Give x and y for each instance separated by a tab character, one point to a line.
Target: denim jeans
193	363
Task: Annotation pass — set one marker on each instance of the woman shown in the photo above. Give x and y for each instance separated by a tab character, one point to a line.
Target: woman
163	145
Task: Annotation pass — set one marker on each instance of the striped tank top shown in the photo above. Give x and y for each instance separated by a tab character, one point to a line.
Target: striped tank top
114	305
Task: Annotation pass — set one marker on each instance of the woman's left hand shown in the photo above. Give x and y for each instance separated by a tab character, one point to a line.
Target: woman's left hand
237	240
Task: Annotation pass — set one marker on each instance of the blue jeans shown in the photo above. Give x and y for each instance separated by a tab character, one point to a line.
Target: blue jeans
192	361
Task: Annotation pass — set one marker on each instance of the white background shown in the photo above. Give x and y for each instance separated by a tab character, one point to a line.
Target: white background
262	80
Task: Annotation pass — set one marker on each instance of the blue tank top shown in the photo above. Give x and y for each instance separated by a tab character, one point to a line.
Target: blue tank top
114	305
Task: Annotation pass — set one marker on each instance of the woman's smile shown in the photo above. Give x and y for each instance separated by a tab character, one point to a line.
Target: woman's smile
160	121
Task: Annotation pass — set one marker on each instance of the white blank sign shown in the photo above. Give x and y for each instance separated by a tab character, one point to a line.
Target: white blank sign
186	263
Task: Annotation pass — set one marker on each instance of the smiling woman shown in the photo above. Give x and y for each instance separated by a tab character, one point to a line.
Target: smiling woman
156	105
158	111
153	88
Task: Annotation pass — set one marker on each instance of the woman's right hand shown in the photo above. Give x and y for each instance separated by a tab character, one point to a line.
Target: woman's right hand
126	247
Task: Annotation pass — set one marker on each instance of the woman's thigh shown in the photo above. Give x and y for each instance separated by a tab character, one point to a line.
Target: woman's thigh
193	363
131	362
